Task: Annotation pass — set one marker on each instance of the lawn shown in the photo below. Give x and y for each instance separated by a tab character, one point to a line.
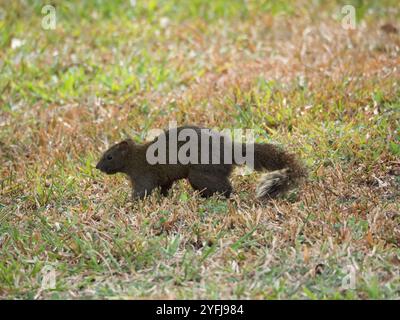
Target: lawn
289	70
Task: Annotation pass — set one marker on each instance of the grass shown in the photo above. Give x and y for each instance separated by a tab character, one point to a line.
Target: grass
286	69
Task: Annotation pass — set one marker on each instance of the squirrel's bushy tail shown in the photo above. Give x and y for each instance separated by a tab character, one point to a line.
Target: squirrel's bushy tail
286	170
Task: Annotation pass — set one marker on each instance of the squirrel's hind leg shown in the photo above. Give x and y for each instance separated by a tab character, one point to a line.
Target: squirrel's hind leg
208	184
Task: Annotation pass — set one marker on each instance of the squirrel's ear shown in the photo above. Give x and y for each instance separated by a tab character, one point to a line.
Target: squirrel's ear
124	144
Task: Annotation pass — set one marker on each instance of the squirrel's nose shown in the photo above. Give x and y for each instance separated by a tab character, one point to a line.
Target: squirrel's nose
97	166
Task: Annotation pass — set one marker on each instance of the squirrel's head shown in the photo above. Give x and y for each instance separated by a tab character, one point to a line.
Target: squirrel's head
115	158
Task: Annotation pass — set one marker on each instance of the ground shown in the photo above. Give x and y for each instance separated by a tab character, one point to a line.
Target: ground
291	71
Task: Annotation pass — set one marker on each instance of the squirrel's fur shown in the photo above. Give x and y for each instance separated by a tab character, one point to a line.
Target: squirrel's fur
130	158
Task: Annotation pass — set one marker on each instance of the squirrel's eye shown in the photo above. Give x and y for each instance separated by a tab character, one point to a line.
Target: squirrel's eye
109	157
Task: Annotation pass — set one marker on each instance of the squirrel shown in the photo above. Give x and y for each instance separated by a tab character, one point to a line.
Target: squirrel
208	178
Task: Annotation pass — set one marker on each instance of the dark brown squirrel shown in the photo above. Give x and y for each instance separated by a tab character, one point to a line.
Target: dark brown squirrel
208	178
